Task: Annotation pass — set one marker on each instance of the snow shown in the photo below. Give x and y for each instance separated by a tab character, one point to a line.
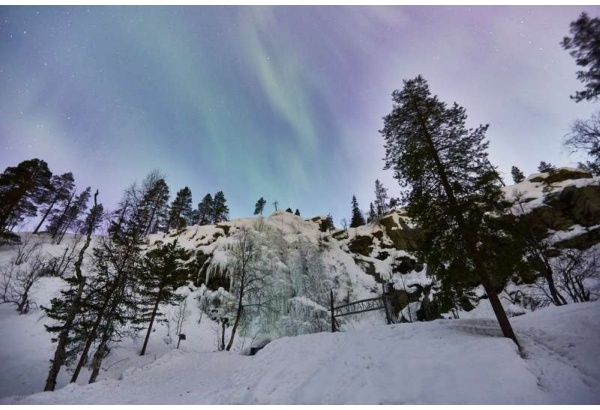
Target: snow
533	192
464	361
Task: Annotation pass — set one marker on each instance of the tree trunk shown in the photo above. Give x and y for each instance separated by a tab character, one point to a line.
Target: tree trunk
238	315
91	337
557	298
471	245
37	228
61	219
98	357
499	311
222	346
234	328
151	321
60	353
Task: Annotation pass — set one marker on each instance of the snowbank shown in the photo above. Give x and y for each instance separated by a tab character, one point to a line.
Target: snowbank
463	361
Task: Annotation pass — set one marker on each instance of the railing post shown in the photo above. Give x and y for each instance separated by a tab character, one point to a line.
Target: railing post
332	314
385	305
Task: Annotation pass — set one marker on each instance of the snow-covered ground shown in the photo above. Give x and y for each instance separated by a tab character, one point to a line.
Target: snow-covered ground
463	361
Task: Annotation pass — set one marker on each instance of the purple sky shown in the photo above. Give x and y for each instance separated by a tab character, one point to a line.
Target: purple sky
279	102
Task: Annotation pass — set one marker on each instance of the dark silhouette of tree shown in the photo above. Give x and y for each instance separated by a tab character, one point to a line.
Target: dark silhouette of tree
220	208
451	186
181	209
205	210
584	46
517	174
162	271
357	217
585	136
260	206
381	205
61	187
22	189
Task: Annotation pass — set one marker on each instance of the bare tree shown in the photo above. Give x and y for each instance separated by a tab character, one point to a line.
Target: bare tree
246	277
28	246
532	230
585	136
573	267
16	282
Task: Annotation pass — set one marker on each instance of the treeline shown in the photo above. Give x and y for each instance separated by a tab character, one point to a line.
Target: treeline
30	190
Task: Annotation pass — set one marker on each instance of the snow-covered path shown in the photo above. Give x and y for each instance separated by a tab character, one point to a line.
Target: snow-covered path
443	362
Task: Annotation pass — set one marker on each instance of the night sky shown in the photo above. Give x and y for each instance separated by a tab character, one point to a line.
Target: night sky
279	102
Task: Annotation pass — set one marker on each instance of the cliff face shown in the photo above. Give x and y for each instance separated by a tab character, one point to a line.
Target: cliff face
564	206
301	263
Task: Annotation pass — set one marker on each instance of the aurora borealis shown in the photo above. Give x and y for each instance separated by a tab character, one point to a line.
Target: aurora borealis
279	102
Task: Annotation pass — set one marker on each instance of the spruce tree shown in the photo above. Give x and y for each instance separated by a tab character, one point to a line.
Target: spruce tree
517	175
357	217
205	210
161	273
220	209
451	187
260	206
584	46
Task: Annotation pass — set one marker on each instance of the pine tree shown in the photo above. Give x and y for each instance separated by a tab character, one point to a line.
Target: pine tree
61	187
155	198
381	206
67	218
357	217
205	210
116	262
451	186
109	300
585	48
517	175
162	272
22	189
67	311
181	209
260	206
546	167
220	209
93	219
